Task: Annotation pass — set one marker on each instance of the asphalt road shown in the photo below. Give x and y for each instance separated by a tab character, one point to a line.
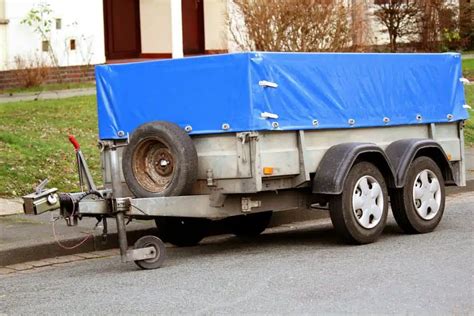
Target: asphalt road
284	272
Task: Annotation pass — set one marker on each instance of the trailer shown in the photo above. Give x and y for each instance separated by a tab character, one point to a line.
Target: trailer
236	137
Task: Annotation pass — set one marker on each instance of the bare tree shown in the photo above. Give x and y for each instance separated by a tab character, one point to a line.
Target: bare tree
360	25
399	17
438	25
466	23
289	25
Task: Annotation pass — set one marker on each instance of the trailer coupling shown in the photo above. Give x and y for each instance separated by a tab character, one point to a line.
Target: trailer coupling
46	200
42	200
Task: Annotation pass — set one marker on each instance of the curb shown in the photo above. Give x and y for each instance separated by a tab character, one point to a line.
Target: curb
51	249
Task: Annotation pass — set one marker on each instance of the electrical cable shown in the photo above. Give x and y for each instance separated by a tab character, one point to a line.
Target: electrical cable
60	244
89	235
139	209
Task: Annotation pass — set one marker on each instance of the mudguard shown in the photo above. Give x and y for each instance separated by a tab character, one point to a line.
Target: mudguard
402	152
338	160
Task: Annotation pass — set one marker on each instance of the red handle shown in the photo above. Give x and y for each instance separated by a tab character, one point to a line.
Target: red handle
74	142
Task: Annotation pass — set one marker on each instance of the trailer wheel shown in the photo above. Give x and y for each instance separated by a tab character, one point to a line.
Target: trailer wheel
419	206
160	160
182	231
359	214
250	225
155	242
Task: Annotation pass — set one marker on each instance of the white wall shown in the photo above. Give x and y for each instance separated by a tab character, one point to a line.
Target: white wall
81	20
215	28
155	23
238	27
3	32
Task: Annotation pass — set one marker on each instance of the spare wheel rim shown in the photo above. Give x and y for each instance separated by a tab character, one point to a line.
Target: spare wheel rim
153	165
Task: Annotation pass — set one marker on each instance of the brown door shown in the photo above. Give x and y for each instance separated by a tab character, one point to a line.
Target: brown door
193	26
122	29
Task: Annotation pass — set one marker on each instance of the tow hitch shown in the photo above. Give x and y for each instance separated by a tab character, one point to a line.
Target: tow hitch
41	200
149	252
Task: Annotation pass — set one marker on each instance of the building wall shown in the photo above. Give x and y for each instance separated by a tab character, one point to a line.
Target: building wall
83	21
3	32
80	20
215	25
155	23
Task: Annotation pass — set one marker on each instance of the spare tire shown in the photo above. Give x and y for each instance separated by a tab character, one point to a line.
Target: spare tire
160	160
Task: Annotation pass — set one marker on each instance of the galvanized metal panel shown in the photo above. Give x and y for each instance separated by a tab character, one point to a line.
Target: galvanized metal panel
201	205
319	141
224	155
279	150
237	167
447	136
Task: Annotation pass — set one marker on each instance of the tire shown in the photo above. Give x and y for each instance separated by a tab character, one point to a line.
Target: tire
362	223
160	249
160	160
250	225
411	216
182	231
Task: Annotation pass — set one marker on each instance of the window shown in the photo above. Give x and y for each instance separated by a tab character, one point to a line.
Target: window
72	44
45	46
58	24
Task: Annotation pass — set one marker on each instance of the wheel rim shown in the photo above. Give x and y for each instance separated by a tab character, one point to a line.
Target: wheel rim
153	165
157	252
427	194
368	202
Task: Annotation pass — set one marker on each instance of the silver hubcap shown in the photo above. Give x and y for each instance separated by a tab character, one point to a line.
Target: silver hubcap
367	202
426	194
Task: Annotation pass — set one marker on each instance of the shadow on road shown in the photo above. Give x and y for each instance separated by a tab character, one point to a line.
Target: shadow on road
281	240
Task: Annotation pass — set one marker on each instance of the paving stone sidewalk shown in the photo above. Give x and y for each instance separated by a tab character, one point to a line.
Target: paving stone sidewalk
10	206
39	265
45	95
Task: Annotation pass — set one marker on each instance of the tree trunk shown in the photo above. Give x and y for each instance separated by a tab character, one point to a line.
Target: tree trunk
393	43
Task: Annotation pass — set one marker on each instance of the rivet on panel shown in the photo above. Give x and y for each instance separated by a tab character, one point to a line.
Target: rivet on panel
315	122
386	120
188	128
419	117
275	125
121	133
351	122
450	117
225	126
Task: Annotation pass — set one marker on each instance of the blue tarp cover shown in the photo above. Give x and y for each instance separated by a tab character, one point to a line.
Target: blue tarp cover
335	89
